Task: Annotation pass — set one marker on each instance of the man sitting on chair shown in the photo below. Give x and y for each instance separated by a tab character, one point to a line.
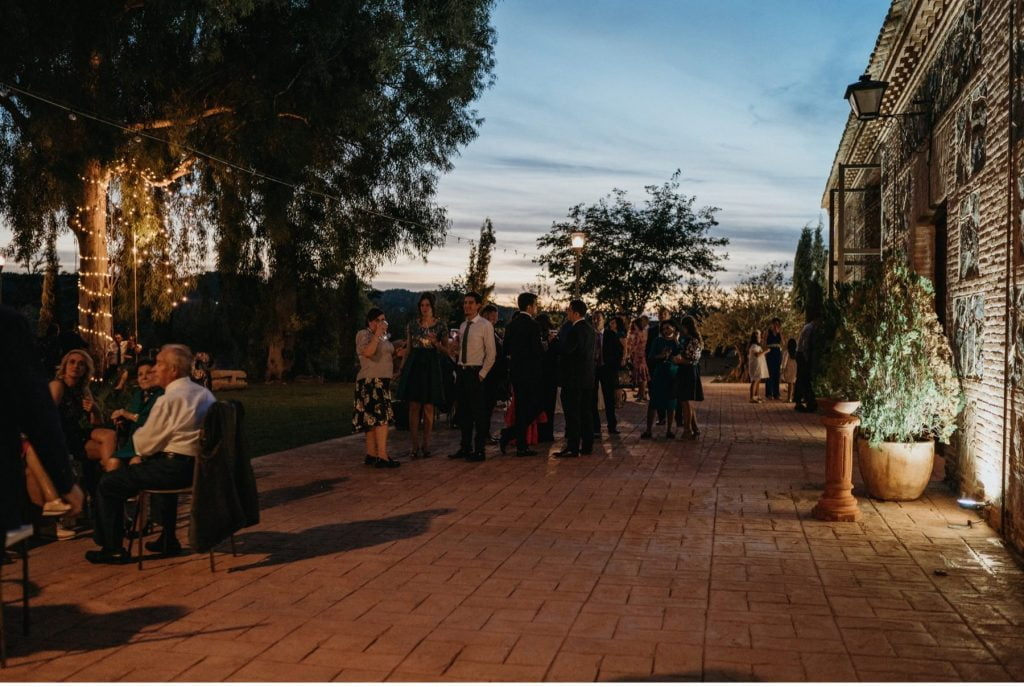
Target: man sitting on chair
167	446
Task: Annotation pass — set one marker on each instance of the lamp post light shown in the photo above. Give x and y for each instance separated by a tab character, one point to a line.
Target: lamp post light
865	98
578	240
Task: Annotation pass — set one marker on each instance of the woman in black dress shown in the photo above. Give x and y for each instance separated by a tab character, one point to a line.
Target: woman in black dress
688	386
420	384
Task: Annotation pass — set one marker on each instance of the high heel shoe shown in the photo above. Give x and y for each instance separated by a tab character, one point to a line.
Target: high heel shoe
386	463
370	460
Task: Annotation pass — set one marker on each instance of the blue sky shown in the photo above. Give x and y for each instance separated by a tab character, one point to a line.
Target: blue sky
745	97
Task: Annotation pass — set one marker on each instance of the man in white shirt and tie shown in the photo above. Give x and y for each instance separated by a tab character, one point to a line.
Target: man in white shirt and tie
476	355
168	445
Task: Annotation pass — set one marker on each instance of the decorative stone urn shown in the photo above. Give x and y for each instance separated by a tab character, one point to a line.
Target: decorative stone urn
896	471
837	502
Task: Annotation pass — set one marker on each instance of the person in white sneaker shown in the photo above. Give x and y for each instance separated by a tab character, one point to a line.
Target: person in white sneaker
27	410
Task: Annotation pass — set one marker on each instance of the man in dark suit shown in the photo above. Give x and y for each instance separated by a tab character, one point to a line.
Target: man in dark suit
26	408
578	371
525	353
609	359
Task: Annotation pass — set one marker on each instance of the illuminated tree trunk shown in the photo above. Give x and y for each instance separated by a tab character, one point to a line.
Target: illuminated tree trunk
95	311
48	305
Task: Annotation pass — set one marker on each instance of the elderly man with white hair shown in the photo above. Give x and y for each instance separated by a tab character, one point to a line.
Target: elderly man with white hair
167	445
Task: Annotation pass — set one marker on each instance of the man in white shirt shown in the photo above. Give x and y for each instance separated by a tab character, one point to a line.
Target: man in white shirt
167	445
475	358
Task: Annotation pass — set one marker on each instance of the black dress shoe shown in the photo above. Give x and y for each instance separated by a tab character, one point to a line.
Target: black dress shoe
587	451
167	547
526	452
613	431
108	556
477	457
566	454
461	453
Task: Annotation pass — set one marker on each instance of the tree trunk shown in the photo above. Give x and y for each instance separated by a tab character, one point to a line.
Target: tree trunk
281	334
284	294
95	311
48	305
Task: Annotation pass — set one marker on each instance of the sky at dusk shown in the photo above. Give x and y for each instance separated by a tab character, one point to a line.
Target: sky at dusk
743	96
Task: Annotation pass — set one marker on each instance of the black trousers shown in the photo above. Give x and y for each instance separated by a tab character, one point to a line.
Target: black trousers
774	359
472	411
608	381
155	472
804	392
579	427
546	430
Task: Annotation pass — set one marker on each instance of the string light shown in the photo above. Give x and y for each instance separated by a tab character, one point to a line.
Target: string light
227	164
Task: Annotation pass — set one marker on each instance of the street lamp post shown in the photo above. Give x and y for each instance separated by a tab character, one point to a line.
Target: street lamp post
3	263
579	239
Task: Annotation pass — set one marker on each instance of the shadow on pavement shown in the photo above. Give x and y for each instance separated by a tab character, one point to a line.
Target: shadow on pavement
707	676
323	540
68	627
282	495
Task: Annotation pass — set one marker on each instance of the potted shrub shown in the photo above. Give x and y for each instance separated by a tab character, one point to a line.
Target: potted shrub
891	354
834	384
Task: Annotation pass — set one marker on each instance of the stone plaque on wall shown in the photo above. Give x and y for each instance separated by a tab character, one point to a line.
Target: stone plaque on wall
1017	339
969	224
969	321
969	134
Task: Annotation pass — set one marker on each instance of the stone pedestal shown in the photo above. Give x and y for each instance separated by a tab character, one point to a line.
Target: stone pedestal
837	502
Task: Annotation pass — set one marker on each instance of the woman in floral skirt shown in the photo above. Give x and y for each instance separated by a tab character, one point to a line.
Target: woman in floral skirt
373	413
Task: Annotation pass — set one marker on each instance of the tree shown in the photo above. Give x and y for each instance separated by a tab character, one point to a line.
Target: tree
634	254
809	265
700	297
819	259
363	100
480	262
803	268
760	296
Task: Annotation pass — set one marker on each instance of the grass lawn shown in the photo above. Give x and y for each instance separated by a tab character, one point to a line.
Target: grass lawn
283	416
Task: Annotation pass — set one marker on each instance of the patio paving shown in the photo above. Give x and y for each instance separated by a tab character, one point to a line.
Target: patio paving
679	559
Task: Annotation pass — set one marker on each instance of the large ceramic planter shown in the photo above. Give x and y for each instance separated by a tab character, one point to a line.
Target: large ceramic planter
896	471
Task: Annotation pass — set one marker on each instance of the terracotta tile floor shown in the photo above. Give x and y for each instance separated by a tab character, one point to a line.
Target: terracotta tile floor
651	559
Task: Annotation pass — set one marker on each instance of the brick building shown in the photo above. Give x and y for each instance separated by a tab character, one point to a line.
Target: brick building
942	184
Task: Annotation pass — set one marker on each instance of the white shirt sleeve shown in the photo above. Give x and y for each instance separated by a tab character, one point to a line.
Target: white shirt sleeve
490	352
154	436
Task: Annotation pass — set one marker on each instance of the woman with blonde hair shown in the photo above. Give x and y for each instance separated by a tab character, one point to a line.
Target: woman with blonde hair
78	412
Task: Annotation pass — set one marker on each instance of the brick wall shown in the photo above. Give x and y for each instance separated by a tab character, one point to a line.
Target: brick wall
971	168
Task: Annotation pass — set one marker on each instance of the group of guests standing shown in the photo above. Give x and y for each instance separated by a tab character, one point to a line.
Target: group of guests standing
582	359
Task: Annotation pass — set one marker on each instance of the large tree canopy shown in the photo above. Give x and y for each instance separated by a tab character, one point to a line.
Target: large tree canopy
365	101
634	254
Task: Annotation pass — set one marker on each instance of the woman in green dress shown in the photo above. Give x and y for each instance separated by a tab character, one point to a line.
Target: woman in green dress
420	383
